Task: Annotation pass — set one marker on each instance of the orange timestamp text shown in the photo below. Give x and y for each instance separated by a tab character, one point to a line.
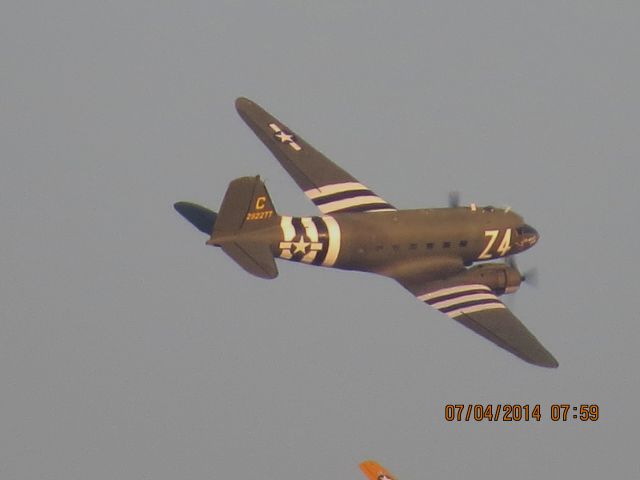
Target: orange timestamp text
516	412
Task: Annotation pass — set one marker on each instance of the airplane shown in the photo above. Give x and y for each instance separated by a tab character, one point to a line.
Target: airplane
374	471
441	255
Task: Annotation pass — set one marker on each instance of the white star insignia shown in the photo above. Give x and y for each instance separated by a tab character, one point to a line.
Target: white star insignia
300	245
284	137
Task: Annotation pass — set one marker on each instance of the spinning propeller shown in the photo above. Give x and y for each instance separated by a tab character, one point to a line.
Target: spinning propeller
454	199
529	277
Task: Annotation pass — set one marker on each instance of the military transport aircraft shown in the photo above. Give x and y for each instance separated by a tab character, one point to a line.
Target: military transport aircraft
430	252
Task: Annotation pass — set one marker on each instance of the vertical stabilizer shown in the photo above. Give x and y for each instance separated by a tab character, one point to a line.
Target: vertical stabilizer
245	205
246	208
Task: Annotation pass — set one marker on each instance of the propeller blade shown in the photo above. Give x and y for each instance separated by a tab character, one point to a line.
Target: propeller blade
454	199
530	277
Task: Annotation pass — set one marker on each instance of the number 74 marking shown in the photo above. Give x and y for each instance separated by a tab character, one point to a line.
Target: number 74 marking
492	237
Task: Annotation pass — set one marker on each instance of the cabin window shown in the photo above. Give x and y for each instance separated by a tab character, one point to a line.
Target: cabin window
413	246
463	243
429	246
446	244
396	248
379	247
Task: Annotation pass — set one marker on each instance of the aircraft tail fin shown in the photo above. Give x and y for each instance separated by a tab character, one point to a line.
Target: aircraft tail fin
246	208
246	205
374	471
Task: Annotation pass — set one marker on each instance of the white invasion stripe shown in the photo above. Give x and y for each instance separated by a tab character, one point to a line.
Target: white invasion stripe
333	230
381	210
450	290
335	188
309	257
475	308
349	202
312	232
310	228
286	254
287	228
464	299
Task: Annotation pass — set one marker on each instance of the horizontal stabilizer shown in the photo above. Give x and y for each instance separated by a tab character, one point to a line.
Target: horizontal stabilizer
255	258
201	218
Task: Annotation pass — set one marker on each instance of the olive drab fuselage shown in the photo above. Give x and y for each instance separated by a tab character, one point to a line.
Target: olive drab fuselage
430	252
371	242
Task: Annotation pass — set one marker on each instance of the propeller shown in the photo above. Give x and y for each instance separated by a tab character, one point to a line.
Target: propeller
454	199
530	276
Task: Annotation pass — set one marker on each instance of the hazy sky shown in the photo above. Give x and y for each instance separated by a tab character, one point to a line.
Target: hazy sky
129	349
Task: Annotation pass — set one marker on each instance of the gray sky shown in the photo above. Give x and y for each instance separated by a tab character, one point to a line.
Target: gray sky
130	350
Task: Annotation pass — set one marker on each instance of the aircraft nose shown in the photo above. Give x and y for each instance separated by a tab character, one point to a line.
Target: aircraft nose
531	234
527	237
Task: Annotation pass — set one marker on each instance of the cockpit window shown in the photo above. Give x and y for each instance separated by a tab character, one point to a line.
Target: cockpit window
525	229
488	208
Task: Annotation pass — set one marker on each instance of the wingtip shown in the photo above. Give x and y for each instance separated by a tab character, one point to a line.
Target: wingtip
242	103
547	361
552	364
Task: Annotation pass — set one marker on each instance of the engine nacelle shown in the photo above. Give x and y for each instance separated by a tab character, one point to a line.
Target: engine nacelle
500	277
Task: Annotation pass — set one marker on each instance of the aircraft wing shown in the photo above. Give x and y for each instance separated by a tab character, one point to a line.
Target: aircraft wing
478	308
328	186
375	471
